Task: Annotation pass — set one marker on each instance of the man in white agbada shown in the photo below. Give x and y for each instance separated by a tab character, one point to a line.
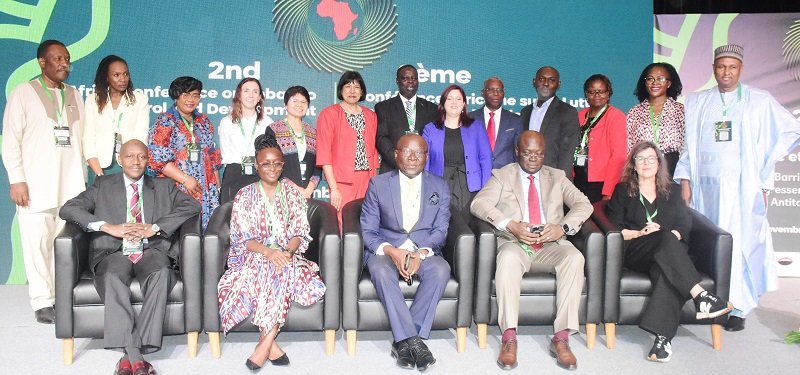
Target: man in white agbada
734	135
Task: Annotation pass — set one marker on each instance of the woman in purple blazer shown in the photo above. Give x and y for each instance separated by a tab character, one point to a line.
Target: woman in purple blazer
458	150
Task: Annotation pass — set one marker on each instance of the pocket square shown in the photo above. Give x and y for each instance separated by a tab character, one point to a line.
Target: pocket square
434	199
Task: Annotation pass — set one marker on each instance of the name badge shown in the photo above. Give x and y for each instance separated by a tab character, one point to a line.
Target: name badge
723	131
412	131
194	152
249	165
131	247
303	168
117	142
580	160
62	136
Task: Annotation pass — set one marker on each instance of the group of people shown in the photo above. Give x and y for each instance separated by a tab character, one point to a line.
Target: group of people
439	163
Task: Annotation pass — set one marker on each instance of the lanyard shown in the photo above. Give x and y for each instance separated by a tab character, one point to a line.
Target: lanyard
302	138
189	126
647	213
655	123
272	215
119	121
725	107
588	128
247	140
59	111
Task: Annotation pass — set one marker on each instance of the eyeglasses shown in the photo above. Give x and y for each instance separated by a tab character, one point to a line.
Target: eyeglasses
660	79
194	96
645	160
298	102
272	165
597	93
495	90
534	156
407	152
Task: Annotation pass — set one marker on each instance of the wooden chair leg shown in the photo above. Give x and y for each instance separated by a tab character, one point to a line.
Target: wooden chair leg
591	335
461	339
482	330
351	342
716	336
213	342
191	338
330	341
611	335
68	346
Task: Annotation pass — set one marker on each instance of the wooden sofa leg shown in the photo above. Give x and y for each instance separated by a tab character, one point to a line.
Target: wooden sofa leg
191	338
330	341
591	335
716	336
213	342
461	339
68	346
351	342
482	330
611	335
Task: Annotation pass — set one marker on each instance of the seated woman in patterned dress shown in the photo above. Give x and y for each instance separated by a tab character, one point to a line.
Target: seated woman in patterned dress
266	269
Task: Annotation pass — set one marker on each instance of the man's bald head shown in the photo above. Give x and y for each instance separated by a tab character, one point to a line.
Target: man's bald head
530	151
133	157
411	154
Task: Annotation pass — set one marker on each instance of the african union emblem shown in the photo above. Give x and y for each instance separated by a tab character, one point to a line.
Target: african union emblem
791	49
335	35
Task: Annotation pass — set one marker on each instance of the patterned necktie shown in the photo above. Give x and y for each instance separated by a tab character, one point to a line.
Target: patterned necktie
490	130
410	115
136	215
534	210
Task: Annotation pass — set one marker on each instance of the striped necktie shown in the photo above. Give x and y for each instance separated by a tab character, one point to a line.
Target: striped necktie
136	214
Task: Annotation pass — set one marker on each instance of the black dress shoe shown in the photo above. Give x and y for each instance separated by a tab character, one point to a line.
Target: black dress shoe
402	353
46	315
252	365
281	361
422	355
734	324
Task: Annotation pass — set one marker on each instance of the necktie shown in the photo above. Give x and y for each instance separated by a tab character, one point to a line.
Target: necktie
136	215
410	115
490	130
534	214
410	201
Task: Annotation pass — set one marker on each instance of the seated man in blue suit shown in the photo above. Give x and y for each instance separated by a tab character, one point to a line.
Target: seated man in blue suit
502	126
404	220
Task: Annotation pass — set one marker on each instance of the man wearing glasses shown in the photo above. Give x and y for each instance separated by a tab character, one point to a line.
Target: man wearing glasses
502	126
531	234
404	221
555	120
734	135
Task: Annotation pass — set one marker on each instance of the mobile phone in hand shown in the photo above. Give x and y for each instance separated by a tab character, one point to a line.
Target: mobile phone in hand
536	229
406	267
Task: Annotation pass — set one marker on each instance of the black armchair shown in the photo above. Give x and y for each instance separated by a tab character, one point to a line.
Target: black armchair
538	293
361	308
323	249
79	309
627	292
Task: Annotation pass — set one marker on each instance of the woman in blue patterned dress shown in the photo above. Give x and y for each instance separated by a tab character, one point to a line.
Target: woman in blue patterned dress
181	144
266	269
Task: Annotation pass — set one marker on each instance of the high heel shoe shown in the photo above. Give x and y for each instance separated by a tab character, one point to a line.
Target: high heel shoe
281	361
252	365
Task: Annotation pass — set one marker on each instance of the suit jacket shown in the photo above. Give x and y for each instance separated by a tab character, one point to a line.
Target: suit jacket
608	148
392	125
561	133
477	153
382	214
507	133
503	198
163	204
336	142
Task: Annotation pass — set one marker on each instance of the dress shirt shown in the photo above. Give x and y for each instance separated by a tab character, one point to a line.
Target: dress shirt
232	145
486	116
410	209
526	183
537	114
95	226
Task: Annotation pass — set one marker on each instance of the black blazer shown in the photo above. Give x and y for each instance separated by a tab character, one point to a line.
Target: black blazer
392	125
628	212
561	132
164	204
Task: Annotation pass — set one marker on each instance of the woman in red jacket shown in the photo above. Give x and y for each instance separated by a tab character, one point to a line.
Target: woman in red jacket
601	152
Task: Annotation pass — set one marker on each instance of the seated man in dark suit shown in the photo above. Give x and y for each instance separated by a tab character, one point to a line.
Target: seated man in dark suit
131	218
404	220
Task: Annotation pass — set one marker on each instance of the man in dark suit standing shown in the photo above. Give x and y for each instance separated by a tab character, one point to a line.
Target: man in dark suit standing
555	120
404	220
502	126
402	114
131	218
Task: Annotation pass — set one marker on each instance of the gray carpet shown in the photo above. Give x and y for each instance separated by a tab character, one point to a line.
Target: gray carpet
31	348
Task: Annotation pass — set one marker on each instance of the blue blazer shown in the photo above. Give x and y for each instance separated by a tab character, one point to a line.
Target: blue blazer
507	134
477	153
382	214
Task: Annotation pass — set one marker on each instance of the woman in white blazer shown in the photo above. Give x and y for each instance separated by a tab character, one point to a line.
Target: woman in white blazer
115	114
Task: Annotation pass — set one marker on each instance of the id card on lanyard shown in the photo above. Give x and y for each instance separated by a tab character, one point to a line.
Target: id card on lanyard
723	130
248	162
118	134
61	134
192	148
582	150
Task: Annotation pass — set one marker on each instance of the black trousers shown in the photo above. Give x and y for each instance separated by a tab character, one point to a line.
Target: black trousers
666	260
122	327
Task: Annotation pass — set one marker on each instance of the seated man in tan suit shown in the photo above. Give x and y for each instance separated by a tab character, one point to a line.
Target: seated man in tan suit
525	201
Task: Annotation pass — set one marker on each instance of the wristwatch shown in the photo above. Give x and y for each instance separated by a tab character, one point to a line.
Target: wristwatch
156	229
566	228
422	254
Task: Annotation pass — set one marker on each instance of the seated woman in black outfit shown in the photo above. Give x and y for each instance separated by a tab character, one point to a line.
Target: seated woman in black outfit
655	224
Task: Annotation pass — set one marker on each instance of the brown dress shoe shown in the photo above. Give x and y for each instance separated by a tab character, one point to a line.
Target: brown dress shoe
507	360
560	350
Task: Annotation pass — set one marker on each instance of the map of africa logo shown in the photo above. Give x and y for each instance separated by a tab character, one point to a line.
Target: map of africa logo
335	35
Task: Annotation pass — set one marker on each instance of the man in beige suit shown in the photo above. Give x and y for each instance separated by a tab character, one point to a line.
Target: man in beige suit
525	201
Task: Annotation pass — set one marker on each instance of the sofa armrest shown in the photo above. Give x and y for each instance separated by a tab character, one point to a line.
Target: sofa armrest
352	262
484	272
191	273
614	261
591	242
330	263
71	260
712	250
214	265
459	252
